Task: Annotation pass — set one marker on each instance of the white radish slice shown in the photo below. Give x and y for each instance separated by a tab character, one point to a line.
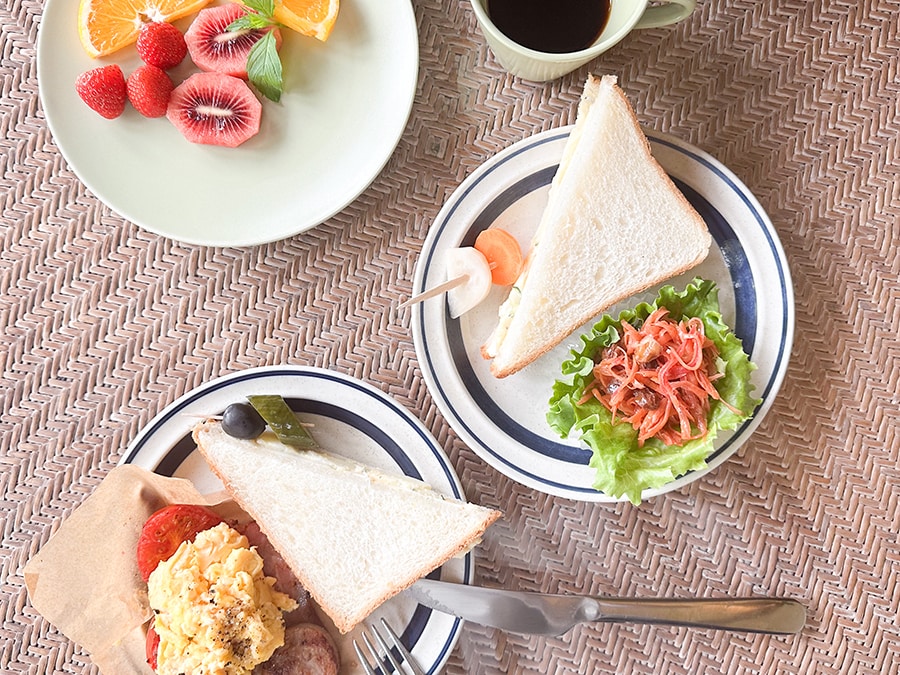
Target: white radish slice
471	265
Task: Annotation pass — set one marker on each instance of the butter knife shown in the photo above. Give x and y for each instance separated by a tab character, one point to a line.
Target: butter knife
546	614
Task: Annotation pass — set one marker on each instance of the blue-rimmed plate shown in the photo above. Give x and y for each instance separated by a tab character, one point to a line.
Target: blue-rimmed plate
352	419
503	421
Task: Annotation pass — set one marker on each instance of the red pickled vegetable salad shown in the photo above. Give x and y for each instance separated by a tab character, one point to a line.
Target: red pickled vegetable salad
644	378
659	378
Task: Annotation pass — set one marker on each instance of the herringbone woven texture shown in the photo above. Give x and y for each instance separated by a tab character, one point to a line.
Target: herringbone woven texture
103	324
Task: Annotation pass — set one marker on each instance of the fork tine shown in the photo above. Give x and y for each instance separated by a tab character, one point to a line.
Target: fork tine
373	650
389	655
413	664
381	662
362	659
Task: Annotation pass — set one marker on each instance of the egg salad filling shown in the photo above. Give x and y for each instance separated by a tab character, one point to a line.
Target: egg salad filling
216	612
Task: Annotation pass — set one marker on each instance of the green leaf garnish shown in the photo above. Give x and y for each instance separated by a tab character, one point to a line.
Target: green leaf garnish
264	7
264	68
250	21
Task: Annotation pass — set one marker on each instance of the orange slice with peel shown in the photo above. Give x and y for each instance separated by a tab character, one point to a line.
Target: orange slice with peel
308	17
105	26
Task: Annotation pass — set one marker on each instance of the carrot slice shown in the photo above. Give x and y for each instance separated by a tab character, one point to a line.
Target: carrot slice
503	255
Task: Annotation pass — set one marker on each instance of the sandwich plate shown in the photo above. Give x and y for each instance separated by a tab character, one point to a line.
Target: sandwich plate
345	106
503	420
352	419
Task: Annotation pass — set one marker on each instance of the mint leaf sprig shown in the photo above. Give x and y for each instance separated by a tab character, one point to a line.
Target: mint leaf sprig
263	62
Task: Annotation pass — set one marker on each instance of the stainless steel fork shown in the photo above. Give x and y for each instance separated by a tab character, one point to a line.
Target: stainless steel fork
382	655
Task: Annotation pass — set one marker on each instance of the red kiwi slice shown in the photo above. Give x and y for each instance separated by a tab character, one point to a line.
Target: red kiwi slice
216	49
215	109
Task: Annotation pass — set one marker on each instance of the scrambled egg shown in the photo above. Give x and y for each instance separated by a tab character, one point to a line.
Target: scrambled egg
216	613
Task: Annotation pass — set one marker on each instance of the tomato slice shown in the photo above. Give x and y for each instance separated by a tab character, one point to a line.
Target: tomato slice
152	646
166	529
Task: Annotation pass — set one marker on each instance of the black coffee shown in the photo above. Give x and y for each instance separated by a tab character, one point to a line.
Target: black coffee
556	26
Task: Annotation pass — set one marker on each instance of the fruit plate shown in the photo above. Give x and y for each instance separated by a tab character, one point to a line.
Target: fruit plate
345	106
351	418
503	420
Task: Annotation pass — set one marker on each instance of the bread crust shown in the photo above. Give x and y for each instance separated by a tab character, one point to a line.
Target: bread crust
348	622
566	330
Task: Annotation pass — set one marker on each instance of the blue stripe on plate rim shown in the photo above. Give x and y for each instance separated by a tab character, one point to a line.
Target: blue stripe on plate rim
735	258
179	452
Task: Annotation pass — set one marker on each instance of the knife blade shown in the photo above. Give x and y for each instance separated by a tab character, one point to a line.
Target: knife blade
554	614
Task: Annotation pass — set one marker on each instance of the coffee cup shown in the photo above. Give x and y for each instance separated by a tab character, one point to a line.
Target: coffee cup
540	66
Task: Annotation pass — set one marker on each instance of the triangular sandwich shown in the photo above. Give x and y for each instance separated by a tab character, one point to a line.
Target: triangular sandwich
614	225
354	536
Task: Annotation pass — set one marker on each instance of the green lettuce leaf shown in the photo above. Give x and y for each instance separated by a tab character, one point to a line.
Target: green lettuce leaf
622	467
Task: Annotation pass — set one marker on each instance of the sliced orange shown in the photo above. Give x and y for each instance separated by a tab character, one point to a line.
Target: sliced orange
105	26
308	17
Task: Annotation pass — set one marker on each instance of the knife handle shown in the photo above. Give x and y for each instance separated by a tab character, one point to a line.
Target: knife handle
768	615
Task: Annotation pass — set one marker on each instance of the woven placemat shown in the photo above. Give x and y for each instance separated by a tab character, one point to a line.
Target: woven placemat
103	324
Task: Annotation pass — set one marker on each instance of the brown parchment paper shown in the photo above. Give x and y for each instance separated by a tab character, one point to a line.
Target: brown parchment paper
85	579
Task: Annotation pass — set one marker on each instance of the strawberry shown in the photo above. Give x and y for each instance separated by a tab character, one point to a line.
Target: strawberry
161	45
103	89
149	90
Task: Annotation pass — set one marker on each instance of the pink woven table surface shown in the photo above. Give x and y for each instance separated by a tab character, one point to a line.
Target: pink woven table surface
103	324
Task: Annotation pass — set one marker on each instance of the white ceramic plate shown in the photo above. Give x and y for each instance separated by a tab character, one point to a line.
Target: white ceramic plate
503	421
352	419
345	106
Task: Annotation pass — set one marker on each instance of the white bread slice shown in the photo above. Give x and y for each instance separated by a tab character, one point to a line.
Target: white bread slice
614	225
353	535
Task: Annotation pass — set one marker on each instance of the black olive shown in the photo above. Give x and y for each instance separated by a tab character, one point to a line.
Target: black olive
240	420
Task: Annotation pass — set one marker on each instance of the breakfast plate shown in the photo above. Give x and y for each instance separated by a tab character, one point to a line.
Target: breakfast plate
345	106
503	420
350	418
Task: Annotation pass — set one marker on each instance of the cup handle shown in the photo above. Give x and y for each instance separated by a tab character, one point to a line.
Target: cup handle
671	12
